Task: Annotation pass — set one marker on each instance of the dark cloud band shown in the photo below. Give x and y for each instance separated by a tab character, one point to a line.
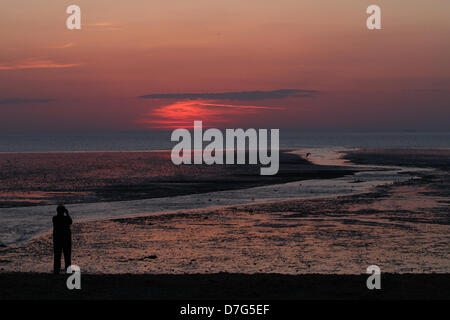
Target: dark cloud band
21	101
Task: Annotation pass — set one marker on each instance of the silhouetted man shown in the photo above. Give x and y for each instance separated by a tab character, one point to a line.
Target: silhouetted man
62	238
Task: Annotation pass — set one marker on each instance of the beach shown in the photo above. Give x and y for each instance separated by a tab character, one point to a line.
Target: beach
401	226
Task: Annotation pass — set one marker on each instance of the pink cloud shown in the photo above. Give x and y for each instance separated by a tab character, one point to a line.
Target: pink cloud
38	64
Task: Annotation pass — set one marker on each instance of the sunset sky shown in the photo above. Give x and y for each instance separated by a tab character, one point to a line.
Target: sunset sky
151	64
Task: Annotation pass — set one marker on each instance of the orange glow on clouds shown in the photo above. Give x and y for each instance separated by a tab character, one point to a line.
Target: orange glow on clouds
182	114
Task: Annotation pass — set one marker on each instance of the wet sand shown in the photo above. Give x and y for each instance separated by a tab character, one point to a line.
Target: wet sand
403	228
37	179
424	158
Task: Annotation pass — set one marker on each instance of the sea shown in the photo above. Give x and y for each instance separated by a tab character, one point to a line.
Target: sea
160	140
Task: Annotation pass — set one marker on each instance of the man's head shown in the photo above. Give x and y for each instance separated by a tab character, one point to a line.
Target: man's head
60	210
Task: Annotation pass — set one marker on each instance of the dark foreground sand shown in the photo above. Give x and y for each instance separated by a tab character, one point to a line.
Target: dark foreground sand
224	286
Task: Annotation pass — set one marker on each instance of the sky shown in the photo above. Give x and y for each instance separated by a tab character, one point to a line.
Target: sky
159	64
